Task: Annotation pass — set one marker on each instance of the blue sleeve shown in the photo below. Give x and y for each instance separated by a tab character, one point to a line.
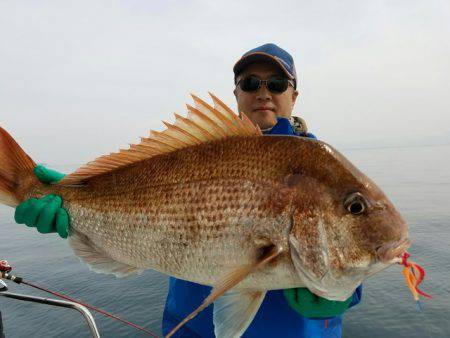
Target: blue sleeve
309	135
357	295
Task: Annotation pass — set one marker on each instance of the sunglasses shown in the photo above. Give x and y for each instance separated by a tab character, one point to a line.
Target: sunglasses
275	84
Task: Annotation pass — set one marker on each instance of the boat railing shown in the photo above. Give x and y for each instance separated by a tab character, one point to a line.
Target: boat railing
53	302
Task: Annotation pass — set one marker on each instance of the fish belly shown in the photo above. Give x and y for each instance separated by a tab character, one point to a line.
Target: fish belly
195	231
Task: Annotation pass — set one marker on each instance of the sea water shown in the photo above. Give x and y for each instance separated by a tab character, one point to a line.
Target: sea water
416	179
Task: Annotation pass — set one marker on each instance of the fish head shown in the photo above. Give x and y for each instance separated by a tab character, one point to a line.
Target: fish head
344	227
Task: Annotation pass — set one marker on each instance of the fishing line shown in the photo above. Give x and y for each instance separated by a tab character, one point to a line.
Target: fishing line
19	280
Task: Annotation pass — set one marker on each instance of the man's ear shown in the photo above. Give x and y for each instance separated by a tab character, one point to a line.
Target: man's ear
234	92
294	96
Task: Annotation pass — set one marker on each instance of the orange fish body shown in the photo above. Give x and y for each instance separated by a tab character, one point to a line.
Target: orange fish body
212	201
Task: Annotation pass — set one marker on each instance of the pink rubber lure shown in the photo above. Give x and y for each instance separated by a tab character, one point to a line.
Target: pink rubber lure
414	275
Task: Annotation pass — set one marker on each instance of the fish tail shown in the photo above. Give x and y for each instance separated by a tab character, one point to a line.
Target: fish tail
16	170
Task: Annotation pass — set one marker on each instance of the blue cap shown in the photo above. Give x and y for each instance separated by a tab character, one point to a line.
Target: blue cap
271	53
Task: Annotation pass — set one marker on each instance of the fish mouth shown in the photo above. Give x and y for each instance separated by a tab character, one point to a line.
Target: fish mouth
392	252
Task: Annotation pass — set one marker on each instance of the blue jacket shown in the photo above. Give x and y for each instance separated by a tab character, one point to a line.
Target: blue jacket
275	318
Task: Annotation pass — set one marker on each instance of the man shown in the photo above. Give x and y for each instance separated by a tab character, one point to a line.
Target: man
266	91
266	84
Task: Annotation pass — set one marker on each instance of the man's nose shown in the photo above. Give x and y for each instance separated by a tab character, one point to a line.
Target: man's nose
263	93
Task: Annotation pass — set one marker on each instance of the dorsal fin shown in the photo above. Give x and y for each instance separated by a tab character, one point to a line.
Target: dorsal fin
203	123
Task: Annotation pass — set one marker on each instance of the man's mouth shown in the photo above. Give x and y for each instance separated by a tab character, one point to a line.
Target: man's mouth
259	109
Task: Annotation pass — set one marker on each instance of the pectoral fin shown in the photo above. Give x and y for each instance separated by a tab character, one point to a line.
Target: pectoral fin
230	280
234	311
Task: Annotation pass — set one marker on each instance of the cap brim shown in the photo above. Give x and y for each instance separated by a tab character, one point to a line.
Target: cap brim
259	56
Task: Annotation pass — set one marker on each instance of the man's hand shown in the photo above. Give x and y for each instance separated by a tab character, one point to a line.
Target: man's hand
46	213
309	305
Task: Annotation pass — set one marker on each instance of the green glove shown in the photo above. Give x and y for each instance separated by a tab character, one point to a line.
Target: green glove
309	305
46	213
47	175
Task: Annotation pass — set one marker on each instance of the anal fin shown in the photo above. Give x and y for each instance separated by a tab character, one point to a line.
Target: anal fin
234	311
96	258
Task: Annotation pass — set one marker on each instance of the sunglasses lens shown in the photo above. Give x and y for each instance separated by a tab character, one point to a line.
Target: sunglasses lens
277	84
249	83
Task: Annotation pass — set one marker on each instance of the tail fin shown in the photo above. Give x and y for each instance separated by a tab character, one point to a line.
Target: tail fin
15	165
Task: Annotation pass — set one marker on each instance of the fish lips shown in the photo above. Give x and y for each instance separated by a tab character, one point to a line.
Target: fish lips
391	252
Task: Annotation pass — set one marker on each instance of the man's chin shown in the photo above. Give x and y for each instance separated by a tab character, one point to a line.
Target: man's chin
266	122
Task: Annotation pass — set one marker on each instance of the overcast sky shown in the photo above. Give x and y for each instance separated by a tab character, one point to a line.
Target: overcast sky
82	78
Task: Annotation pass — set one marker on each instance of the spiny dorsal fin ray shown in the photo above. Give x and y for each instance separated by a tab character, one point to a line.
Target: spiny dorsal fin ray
170	140
224	123
181	134
203	123
226	111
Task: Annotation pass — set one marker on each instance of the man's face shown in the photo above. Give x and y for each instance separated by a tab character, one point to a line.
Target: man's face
262	106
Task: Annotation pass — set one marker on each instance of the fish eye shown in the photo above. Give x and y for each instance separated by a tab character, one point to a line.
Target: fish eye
355	203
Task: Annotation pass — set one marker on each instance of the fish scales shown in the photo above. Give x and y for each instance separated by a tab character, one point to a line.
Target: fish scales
192	213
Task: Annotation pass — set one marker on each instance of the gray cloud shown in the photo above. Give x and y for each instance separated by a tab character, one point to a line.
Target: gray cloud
79	79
